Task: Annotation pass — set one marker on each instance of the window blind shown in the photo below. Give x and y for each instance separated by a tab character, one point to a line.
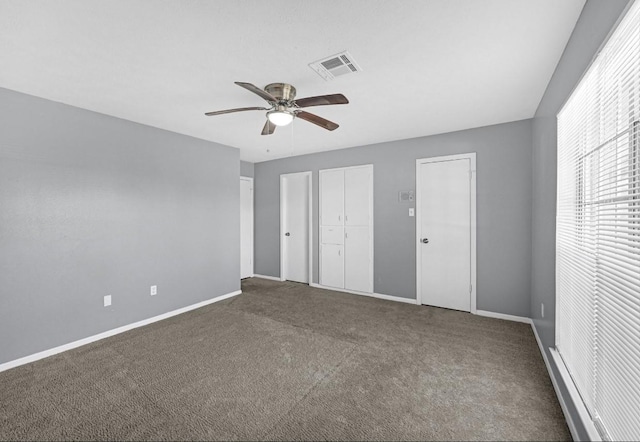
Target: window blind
598	234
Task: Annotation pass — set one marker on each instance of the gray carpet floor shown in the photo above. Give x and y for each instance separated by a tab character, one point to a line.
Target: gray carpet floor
284	361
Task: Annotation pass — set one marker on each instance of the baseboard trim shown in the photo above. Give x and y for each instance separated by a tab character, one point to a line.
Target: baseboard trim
272	278
79	343
565	410
372	295
504	316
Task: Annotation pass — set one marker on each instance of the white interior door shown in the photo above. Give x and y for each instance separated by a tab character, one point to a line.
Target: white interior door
295	203
444	233
357	259
246	227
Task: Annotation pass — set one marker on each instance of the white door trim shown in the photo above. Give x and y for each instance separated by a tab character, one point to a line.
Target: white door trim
283	276
246	178
472	162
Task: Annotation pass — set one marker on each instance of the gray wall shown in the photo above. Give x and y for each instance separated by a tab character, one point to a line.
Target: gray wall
246	169
92	205
594	25
504	210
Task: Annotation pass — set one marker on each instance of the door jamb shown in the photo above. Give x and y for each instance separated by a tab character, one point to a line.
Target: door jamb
253	246
308	174
472	176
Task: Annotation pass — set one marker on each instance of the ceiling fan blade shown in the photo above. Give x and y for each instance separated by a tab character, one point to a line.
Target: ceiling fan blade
322	100
240	109
319	121
256	90
268	128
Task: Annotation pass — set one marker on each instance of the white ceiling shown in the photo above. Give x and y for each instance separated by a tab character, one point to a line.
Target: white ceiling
428	66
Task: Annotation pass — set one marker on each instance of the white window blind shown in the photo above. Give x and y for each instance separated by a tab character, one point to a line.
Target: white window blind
598	234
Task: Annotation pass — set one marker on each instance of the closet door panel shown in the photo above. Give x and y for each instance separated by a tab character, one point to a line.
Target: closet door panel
332	235
332	198
357	196
357	259
332	265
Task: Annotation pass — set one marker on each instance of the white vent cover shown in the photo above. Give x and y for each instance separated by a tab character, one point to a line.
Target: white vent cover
335	66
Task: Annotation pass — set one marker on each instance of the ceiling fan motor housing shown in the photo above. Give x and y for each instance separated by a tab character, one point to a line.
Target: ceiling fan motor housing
282	91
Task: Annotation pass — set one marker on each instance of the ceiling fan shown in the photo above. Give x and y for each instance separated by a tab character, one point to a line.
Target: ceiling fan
284	107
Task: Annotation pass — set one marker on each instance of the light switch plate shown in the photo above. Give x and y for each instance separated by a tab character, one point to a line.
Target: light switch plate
107	300
412	211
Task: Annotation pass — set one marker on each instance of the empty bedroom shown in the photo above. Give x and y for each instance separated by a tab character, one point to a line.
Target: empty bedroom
320	220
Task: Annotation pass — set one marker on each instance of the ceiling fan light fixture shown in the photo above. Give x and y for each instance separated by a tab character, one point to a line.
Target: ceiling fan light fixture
280	117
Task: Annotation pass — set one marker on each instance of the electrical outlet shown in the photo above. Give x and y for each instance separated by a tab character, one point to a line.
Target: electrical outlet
154	290
107	300
542	309
411	211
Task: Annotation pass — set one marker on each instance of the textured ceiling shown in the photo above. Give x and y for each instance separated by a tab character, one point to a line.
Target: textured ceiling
428	66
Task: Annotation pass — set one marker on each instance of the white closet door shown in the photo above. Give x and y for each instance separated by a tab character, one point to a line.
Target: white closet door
357	196
332	235
332	197
357	259
332	265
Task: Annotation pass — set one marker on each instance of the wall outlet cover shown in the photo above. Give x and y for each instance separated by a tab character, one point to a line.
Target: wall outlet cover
154	290
412	211
107	300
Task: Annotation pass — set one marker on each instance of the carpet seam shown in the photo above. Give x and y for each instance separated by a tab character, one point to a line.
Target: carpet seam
313	388
296	326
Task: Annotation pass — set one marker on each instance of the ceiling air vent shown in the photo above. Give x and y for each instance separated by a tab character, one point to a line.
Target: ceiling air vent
335	66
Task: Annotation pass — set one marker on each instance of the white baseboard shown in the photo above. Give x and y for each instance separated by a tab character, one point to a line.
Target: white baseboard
115	331
372	295
504	316
567	416
272	278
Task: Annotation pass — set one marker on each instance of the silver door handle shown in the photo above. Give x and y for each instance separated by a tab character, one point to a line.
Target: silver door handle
287	234
425	240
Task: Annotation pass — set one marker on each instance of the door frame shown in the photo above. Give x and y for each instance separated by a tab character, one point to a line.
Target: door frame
283	177
250	180
472	178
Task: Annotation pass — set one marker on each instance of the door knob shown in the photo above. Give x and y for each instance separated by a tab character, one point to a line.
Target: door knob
287	234
425	240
